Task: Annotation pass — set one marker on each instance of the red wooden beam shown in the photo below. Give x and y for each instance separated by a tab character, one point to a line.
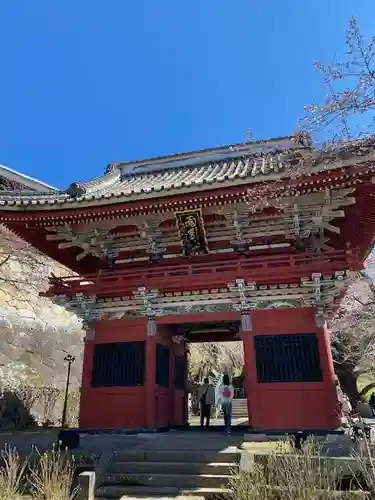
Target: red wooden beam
261	270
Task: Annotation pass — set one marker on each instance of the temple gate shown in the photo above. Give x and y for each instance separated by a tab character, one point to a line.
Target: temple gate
198	247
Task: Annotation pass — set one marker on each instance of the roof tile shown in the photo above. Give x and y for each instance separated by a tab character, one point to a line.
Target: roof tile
115	184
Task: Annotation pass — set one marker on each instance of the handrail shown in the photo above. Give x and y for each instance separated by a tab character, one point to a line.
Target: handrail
215	272
293	260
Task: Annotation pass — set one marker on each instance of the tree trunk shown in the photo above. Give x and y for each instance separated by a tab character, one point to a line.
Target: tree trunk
348	381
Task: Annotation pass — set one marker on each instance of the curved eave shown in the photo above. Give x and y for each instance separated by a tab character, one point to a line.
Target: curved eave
114	193
144	194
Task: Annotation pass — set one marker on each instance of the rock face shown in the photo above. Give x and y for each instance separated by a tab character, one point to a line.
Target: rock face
33	330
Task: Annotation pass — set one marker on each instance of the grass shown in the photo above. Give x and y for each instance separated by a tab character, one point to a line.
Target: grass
12	474
302	475
270	446
52	475
46	476
277	472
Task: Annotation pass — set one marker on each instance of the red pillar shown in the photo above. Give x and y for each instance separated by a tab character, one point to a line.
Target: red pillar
180	395
172	354
326	353
115	407
247	339
289	404
325	350
84	405
186	391
150	383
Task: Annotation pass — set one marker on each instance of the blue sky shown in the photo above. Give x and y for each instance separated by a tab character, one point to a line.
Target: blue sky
91	81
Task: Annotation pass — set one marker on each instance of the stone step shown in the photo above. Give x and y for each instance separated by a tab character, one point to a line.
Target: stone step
187	456
170	480
171	468
152	492
193	496
115	491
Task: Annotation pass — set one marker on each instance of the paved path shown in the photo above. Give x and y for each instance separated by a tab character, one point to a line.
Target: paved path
103	443
25	442
189	441
367	421
42	440
214	422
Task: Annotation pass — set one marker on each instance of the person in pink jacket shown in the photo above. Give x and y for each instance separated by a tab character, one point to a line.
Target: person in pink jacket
226	393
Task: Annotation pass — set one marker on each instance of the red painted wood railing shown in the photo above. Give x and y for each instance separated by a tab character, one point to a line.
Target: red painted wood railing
262	270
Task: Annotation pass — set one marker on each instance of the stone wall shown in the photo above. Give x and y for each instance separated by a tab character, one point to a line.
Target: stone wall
33	330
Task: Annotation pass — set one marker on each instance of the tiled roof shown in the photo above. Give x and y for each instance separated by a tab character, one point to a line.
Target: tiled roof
196	171
136	186
28	183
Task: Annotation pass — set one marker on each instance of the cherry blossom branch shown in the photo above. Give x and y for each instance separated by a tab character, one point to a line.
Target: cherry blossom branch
350	87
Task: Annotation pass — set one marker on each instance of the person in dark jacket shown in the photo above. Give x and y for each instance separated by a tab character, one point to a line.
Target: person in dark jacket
372	403
206	400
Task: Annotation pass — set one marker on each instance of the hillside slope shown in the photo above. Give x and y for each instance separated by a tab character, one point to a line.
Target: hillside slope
33	330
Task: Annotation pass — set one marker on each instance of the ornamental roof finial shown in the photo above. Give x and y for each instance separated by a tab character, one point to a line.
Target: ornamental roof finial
75	190
112	167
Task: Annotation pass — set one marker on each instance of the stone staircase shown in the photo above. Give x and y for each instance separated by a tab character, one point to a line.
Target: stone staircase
239	408
190	467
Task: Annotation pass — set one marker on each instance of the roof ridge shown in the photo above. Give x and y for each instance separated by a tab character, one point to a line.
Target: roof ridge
170	156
